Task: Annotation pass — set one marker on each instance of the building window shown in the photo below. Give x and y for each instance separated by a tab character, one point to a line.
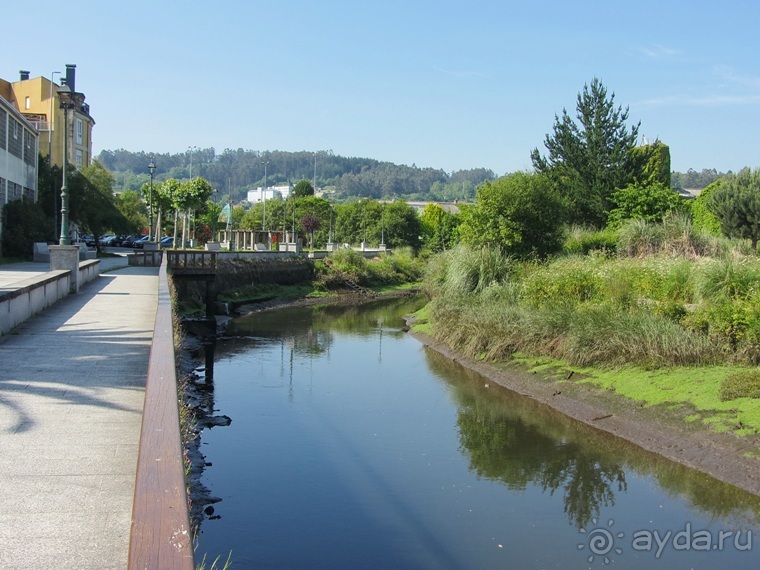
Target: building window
27	103
14	140
80	131
79	159
30	148
3	129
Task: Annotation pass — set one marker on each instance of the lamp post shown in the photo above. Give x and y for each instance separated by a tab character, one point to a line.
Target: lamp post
67	102
191	149
264	197
151	168
50	149
216	214
382	231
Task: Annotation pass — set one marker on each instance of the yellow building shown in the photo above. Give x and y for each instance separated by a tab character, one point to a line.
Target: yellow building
37	100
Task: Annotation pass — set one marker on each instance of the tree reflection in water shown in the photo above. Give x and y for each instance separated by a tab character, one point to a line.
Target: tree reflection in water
518	441
503	445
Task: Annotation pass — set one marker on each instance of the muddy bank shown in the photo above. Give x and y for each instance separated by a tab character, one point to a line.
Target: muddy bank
654	429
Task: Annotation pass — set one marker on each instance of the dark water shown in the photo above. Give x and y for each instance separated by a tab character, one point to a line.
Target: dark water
353	446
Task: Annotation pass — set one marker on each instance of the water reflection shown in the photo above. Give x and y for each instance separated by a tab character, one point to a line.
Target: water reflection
351	446
518	441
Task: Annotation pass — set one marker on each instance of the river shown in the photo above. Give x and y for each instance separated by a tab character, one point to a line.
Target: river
352	445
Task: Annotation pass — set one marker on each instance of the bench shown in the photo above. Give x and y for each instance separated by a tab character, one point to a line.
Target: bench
85	253
40	253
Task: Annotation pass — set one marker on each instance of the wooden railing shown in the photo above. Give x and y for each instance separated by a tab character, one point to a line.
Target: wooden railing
160	536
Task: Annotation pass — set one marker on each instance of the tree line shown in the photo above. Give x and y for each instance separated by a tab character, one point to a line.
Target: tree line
233	172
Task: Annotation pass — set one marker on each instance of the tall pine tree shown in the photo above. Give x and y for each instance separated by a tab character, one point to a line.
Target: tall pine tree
589	159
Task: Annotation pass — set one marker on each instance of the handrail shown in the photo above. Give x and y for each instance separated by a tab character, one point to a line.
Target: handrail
160	536
191	261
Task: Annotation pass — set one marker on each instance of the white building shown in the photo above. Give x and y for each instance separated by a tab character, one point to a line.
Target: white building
272	192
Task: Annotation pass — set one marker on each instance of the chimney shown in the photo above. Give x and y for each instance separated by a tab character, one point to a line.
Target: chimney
24	75
70	79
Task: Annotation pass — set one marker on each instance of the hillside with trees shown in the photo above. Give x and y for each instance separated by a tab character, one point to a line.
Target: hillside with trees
233	172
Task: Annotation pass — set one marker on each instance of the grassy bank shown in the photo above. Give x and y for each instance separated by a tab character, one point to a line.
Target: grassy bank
399	271
674	328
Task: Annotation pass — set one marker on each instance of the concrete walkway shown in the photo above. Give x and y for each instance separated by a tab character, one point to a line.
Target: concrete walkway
72	383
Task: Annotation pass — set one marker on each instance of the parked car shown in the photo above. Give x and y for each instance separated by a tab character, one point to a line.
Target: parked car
103	241
140	242
89	239
167	242
130	240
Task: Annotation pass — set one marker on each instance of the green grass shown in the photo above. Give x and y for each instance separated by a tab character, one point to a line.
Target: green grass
693	390
421	323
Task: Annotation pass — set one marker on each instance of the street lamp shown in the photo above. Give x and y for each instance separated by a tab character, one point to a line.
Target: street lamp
50	149
151	168
68	101
264	198
191	149
382	231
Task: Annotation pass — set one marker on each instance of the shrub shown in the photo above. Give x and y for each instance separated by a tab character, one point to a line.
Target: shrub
351	263
745	384
580	240
704	220
521	213
566	280
648	201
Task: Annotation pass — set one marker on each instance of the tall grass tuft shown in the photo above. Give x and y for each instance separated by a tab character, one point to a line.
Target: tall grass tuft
674	236
729	277
580	240
465	270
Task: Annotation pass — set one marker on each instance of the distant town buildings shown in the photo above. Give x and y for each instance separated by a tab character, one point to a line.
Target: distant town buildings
271	192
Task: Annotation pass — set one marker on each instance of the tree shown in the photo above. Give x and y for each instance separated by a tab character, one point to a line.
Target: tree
438	227
163	202
303	189
131	205
401	225
702	218
590	159
650	202
650	164
92	202
310	223
736	204
521	213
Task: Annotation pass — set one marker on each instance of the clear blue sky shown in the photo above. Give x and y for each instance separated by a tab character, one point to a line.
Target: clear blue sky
444	84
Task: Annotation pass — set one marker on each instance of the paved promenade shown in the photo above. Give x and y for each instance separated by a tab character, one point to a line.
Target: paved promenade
72	382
